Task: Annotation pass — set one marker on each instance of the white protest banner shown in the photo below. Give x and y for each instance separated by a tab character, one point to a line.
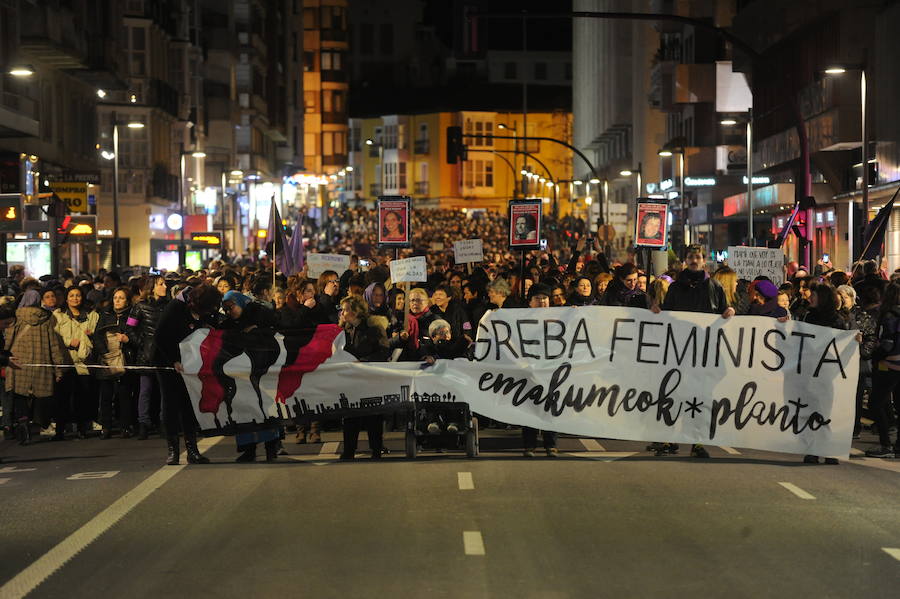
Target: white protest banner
319	263
752	262
468	250
409	270
595	371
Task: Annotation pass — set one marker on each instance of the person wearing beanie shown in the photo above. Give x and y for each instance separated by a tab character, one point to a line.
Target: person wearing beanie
768	293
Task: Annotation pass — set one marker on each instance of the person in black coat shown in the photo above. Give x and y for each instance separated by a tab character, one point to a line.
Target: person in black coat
114	330
623	289
443	307
179	319
368	343
147	313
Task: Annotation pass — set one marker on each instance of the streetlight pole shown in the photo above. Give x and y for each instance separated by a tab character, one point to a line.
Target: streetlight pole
750	231
115	241
182	249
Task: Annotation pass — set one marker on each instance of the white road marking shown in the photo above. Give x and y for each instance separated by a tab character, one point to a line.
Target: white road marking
472	542
93	475
730	450
330	447
893	552
14	470
855	451
31	577
892	465
465	481
592	445
603	456
796	491
3	481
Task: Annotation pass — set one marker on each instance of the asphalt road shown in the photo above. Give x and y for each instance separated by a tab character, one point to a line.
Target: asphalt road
605	519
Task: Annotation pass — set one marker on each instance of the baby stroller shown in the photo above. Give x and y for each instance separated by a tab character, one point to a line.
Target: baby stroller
440	422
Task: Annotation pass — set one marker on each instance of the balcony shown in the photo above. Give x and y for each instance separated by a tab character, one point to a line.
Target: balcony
18	116
421	146
334	118
334	76
421	188
333	35
374	189
661	94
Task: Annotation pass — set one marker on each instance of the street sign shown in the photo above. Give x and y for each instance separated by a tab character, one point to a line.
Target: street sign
82	229
207	238
75	195
606	233
11	213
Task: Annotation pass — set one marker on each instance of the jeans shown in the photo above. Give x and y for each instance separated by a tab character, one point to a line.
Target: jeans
77	397
529	438
884	384
145	398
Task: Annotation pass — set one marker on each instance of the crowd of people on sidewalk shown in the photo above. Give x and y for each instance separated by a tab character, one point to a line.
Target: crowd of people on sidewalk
98	355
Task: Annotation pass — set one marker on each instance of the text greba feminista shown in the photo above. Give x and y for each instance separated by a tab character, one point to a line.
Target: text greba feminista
668	347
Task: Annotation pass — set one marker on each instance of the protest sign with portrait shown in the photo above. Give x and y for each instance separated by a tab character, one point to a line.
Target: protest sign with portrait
651	221
525	224
394	221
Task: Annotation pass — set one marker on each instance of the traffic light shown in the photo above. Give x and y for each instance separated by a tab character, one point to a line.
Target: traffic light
11	213
456	150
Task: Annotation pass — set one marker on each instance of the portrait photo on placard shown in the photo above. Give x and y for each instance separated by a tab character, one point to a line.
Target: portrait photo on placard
393	222
524	224
652	221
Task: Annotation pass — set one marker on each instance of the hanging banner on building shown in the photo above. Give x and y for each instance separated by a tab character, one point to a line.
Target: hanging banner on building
596	371
752	262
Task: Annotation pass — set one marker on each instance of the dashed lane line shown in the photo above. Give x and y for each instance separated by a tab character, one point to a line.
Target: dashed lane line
894	552
602	456
473	544
730	450
31	577
465	481
3	481
797	491
592	445
330	447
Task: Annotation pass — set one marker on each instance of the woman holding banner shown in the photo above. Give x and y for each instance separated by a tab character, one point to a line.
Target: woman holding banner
368	343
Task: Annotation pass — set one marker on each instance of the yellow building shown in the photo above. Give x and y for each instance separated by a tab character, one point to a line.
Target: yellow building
407	155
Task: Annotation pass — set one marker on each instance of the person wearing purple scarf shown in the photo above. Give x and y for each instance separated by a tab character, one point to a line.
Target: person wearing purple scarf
623	289
375	295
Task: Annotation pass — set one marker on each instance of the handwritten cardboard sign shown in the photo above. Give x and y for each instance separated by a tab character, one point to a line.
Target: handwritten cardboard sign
468	250
319	263
409	270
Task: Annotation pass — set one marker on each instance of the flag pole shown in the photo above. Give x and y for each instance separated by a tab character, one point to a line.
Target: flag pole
871	239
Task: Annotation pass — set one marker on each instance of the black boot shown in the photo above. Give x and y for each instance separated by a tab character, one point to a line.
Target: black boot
172	460
272	450
248	453
142	432
193	454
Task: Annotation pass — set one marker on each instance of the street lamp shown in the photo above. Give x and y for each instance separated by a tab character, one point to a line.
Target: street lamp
863	97
181	247
116	254
23	70
729	122
636	173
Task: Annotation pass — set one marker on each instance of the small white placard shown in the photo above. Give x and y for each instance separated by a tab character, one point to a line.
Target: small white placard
468	250
409	270
319	263
751	262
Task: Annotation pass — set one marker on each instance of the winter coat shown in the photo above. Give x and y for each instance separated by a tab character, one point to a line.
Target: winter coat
887	353
175	324
82	327
34	340
367	342
695	292
832	319
618	295
770	309
111	322
456	315
147	314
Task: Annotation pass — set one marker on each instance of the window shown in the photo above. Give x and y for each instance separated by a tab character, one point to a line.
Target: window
390	137
309	18
386	39
509	70
401	177
540	71
390	175
334	143
332	17
331	61
309	62
138	59
367	38
478	173
309	101
482	130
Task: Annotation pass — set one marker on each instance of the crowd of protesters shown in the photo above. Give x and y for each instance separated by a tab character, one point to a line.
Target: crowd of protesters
98	355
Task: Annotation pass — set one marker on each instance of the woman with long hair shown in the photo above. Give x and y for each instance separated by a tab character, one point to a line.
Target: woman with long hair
76	324
115	333
146	314
728	279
